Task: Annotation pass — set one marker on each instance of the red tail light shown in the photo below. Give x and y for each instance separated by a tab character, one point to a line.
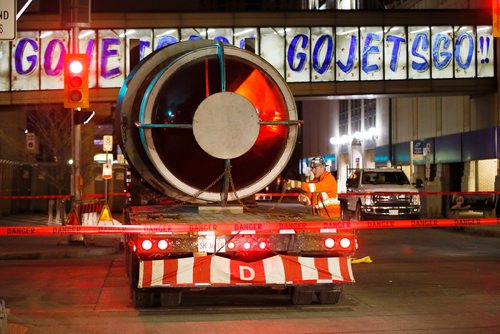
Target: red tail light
246	245
329	243
162	244
262	245
146	244
345	243
230	245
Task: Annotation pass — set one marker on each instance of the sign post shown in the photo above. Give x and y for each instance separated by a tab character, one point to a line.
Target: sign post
428	161
107	168
8	20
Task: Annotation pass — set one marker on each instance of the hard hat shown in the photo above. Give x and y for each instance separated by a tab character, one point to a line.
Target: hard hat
317	162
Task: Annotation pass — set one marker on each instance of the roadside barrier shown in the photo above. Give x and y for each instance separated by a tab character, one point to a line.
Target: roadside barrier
62	196
422	193
239	227
88	212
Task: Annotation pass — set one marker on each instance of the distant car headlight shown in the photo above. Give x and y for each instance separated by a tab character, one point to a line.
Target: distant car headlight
415	199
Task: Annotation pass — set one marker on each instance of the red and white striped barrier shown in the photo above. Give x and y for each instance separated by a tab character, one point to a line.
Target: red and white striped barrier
213	270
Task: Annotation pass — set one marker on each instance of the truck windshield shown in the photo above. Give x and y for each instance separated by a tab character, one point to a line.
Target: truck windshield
385	178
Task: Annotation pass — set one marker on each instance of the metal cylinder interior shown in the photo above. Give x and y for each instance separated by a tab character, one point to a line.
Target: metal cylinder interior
168	87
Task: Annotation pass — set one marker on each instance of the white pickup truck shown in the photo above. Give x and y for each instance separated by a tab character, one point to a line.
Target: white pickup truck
380	193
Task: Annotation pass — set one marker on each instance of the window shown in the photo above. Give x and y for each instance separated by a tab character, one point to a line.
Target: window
370	113
355	116
343	117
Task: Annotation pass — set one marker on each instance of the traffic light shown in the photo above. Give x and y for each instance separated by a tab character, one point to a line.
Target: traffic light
496	18
76	81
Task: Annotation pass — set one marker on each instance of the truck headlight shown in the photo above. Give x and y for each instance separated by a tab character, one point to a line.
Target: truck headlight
415	199
369	200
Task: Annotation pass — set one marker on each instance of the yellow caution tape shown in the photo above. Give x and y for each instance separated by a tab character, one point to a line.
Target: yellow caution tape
365	259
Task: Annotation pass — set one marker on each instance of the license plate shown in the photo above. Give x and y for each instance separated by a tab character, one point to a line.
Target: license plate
394	212
209	244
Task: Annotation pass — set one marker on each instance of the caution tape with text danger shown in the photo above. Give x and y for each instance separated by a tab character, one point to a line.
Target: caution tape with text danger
228	228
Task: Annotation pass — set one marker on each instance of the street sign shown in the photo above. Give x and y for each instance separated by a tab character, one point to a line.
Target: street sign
418	150
107	171
30	141
107	143
8	20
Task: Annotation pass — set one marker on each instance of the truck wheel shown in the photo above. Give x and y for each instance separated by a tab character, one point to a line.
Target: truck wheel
359	214
301	296
330	295
142	299
171	297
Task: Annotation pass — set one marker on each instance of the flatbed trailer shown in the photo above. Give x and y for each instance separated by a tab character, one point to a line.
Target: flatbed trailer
210	125
236	247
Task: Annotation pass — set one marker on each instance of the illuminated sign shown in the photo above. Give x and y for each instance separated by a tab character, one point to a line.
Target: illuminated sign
34	60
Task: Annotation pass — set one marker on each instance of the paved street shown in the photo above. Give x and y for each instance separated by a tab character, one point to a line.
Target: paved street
420	281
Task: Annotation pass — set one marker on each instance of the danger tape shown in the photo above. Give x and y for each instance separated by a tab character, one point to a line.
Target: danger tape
238	227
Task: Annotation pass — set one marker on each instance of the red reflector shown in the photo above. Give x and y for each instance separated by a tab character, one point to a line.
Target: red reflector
147	244
329	243
162	244
345	243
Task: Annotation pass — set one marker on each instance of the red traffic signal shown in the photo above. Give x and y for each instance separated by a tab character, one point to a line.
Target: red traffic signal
76	81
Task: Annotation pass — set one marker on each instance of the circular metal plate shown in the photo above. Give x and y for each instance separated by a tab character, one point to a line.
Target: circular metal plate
226	125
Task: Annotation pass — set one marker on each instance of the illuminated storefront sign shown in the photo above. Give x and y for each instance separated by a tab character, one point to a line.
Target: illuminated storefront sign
34	60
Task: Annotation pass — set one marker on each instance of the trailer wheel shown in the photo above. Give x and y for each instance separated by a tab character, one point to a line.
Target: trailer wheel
142	298
302	296
171	297
330	295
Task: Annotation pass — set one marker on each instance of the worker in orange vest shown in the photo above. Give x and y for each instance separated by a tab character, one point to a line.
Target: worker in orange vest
320	192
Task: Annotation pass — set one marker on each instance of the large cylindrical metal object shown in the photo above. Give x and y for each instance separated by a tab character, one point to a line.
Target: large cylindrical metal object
190	110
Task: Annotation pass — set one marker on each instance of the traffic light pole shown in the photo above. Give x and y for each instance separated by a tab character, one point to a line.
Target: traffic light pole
75	131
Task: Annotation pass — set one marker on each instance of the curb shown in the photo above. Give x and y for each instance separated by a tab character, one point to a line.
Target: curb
58	254
479	231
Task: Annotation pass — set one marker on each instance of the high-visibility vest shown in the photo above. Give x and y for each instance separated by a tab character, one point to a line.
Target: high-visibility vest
322	193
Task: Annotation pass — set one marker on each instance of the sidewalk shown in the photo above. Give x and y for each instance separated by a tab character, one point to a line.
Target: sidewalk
49	247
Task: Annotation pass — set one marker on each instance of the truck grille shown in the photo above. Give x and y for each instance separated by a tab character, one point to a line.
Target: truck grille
400	198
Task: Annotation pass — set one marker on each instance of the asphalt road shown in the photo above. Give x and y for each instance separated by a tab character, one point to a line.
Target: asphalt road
420	281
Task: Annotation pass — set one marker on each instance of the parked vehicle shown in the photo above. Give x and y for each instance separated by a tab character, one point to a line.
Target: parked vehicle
380	193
